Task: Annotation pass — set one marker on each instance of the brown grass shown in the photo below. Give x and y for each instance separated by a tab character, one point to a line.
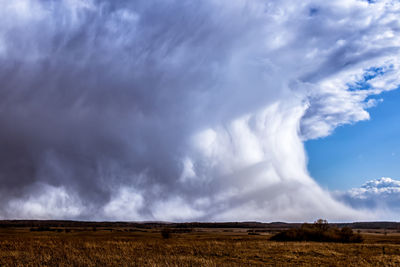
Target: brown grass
202	247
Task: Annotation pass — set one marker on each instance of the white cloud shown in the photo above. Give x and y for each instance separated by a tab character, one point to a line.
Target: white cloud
125	204
45	202
380	197
175	209
382	186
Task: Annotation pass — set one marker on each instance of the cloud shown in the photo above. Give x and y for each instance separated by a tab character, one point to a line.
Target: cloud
182	110
380	196
45	202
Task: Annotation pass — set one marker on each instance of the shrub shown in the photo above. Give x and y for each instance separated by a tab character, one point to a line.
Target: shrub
41	229
253	233
320	231
165	233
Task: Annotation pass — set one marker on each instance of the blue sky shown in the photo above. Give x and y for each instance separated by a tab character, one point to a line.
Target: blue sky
359	152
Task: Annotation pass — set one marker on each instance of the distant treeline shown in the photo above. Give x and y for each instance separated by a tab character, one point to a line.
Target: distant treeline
149	225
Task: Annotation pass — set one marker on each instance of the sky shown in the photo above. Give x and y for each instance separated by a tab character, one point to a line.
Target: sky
363	151
178	110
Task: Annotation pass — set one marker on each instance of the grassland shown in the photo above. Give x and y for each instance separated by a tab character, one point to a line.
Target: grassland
200	247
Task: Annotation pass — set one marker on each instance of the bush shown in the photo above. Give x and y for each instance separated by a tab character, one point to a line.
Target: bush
41	229
165	233
320	231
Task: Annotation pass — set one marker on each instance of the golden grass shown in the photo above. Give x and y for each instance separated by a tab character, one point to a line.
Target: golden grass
20	247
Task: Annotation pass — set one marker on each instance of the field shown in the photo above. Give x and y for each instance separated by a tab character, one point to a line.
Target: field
131	246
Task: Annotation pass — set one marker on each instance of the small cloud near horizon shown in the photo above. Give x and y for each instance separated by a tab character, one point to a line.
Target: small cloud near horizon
380	197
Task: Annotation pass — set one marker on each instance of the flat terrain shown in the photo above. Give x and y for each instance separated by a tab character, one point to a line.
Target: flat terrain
130	246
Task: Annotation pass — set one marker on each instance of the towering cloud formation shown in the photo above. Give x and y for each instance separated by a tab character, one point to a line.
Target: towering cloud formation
182	110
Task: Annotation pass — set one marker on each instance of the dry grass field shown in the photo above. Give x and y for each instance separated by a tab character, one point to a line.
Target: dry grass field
201	247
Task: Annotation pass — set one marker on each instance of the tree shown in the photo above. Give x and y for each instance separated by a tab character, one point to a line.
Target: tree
322	225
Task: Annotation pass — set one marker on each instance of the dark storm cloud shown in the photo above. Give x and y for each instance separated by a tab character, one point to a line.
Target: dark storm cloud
95	93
